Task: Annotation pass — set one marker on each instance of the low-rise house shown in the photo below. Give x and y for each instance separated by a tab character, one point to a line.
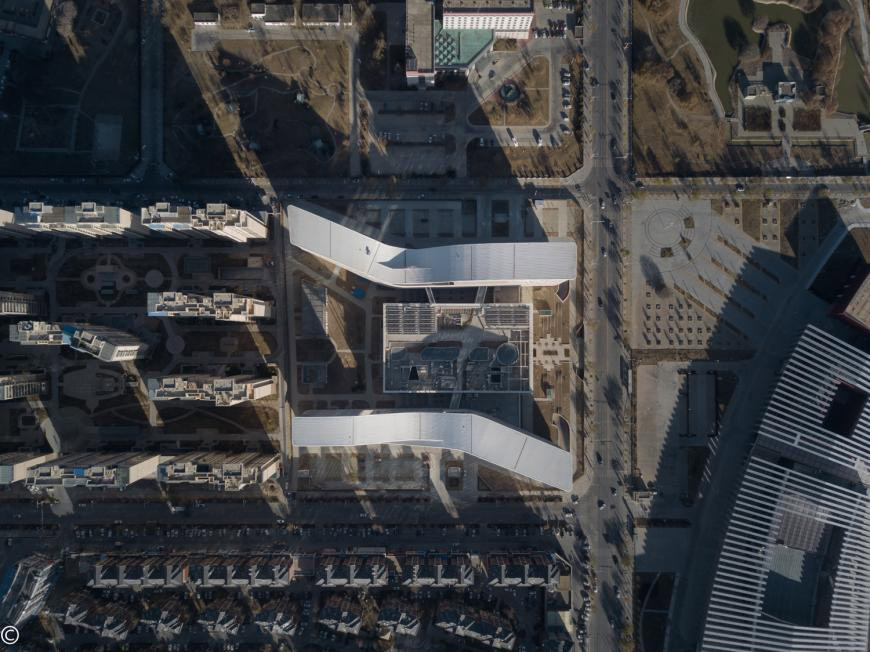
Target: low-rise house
352	570
398	617
341	614
280	617
484	627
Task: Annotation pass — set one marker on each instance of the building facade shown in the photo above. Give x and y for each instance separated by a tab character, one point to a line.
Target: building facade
507	18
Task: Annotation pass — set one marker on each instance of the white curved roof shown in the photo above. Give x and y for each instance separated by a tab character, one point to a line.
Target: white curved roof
789	532
793	573
490	263
467	432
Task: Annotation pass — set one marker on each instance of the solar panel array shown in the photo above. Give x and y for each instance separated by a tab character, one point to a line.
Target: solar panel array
409	319
507	316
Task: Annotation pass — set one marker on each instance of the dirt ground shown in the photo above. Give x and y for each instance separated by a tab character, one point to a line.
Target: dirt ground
675	130
535	161
531	109
674	125
82	115
256	108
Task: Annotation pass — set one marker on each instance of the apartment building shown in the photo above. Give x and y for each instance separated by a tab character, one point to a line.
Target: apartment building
221	306
15	386
523	569
20	303
223	392
223	617
220	470
107	470
36	333
418	570
14	465
507	18
166	616
88	219
215	220
105	343
400	617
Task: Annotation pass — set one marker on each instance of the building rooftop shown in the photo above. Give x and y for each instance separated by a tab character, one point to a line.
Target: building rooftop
223	306
222	391
457	48
164	212
793	572
280	13
457	347
474	434
321	12
824	388
103	342
857	310
36	332
485	627
419	15
462	265
342	614
230	471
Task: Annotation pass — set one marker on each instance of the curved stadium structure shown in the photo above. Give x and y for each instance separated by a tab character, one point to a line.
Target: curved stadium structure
794	569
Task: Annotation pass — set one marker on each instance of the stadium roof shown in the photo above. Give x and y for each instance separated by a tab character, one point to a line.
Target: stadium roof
794	569
474	434
817	413
472	265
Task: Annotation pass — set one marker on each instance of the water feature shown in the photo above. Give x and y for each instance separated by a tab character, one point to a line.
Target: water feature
853	95
724	27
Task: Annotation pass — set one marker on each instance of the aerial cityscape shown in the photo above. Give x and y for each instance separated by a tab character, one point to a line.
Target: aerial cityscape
531	325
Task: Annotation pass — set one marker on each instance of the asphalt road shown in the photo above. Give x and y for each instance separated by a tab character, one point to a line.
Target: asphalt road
602	511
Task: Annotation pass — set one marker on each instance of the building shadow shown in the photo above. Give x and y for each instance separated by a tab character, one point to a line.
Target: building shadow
82	118
713	399
233	112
